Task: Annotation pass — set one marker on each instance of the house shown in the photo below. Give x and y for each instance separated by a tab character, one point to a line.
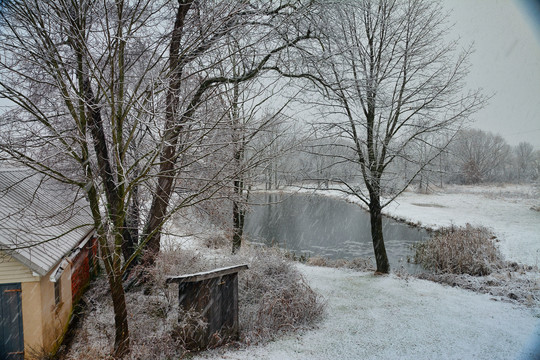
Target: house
47	254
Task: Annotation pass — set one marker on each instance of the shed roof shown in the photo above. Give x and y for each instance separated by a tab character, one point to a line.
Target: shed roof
41	220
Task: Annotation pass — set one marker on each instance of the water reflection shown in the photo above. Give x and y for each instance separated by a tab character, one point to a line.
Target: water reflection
322	226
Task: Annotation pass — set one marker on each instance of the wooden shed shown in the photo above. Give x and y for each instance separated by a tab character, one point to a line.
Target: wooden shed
214	295
47	253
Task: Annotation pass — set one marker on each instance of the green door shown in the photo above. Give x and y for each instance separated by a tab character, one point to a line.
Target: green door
11	329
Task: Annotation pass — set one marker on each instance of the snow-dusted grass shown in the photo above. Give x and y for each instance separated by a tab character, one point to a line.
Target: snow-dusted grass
370	317
506	210
274	298
386	317
390	317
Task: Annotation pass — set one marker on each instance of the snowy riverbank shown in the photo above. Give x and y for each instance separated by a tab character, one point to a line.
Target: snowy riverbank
505	209
371	317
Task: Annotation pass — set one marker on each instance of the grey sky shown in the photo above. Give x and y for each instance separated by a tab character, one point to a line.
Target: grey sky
506	36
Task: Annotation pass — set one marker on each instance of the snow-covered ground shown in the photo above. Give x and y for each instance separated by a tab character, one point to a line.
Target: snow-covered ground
385	317
388	317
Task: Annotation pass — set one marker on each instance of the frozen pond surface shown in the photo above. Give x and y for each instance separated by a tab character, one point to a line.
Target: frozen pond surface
324	226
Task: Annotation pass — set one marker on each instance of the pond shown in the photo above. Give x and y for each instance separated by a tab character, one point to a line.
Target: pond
314	225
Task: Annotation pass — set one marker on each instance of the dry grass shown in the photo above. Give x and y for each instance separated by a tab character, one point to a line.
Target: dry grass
464	250
217	241
468	258
273	298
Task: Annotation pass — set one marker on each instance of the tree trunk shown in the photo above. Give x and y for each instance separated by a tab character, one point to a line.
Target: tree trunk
117	216
121	339
238	226
276	184
375	212
131	227
160	202
173	124
239	211
129	244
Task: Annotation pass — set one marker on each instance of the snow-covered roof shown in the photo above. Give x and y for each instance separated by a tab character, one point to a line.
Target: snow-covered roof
41	220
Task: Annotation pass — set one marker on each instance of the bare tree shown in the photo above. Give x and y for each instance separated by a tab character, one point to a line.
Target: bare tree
108	96
247	127
261	30
480	156
72	70
257	144
431	160
245	142
524	160
322	160
536	165
390	81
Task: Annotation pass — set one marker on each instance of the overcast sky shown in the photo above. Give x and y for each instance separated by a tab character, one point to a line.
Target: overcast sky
506	64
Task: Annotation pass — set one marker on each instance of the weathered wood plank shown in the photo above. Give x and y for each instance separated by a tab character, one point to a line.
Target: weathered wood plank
214	295
205	275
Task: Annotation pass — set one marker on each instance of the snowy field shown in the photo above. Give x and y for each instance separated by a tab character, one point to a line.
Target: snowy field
388	317
385	317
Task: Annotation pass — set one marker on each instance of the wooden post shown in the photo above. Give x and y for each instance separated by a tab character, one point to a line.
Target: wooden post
214	294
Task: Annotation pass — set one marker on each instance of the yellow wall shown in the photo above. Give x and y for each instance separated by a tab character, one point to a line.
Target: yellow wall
32	318
12	271
55	317
44	323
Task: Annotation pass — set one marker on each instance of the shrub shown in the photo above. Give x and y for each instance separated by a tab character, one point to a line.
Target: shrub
274	297
217	241
464	250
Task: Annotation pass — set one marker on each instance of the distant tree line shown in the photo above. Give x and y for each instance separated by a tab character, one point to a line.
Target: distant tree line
478	156
472	156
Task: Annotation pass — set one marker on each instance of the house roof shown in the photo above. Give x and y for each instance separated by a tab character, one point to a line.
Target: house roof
41	220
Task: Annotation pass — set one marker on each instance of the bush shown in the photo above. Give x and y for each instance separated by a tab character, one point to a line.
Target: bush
273	295
464	250
274	298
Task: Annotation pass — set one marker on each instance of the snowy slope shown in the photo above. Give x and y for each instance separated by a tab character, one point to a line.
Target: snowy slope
374	317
